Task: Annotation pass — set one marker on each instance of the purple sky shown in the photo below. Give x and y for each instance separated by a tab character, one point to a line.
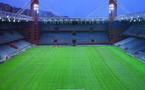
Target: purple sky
83	8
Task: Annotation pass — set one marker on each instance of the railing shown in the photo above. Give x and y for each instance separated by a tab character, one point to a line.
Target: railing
8	16
65	20
139	16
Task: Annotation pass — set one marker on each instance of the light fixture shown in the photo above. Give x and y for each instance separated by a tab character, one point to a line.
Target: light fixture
134	20
18	20
9	20
3	20
36	8
14	20
111	8
7	16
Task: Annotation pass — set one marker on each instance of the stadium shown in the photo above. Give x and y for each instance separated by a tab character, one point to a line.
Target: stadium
41	52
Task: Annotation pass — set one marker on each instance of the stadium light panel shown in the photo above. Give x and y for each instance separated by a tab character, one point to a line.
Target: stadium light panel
111	8
36	8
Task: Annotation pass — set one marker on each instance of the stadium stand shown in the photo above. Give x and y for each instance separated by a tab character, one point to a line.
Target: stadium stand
136	30
70	34
9	37
133	46
92	38
70	27
124	41
1	59
56	38
135	43
11	44
141	53
69	38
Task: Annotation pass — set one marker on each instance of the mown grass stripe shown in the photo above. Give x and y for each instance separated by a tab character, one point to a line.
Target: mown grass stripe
82	67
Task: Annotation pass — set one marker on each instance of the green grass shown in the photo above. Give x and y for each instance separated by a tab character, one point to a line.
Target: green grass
73	68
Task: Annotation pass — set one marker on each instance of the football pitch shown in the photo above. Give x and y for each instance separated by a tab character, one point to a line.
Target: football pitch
73	68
